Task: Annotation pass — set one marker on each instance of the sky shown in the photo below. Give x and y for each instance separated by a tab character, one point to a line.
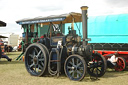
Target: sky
13	10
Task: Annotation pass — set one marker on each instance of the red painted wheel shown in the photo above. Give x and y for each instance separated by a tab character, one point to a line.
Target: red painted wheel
121	64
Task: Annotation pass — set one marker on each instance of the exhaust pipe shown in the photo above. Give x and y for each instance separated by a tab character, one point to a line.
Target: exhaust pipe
84	25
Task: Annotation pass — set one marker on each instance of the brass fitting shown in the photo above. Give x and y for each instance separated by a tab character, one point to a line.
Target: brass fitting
84	7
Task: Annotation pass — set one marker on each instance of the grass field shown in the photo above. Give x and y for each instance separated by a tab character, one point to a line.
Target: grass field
14	73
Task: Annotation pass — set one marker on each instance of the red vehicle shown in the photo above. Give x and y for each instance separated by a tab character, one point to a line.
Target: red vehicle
108	51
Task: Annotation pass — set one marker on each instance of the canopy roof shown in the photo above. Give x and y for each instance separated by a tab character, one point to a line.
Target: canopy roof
56	19
3	36
2	23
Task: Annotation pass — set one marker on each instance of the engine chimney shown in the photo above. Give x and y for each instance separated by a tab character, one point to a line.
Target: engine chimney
84	25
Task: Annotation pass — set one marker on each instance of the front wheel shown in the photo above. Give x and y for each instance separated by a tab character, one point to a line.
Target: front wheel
75	67
97	66
121	64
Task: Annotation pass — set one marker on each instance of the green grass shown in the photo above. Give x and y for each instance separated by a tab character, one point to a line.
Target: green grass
14	73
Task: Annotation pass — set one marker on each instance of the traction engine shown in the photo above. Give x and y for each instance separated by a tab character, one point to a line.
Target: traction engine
69	54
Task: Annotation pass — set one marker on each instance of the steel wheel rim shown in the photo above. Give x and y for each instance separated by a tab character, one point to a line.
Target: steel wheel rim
75	68
97	66
35	61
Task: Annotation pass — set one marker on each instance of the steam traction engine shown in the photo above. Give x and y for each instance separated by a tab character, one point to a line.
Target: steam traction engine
56	53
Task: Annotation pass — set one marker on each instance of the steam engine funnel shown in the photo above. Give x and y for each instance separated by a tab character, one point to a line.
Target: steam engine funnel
84	25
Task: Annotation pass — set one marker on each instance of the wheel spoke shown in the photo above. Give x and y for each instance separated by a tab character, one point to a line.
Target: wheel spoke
36	50
121	67
31	55
78	76
73	73
41	59
38	53
40	66
73	61
78	72
79	64
99	70
69	67
81	68
32	65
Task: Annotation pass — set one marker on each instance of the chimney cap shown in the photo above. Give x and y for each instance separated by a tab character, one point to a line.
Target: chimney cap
84	7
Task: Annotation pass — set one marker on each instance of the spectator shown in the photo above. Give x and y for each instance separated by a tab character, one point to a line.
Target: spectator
2	55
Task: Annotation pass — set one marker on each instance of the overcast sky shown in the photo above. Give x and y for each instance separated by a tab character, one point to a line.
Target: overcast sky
13	10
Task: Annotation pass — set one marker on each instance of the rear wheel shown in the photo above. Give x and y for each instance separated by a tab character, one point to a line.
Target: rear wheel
97	66
36	59
121	64
75	67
